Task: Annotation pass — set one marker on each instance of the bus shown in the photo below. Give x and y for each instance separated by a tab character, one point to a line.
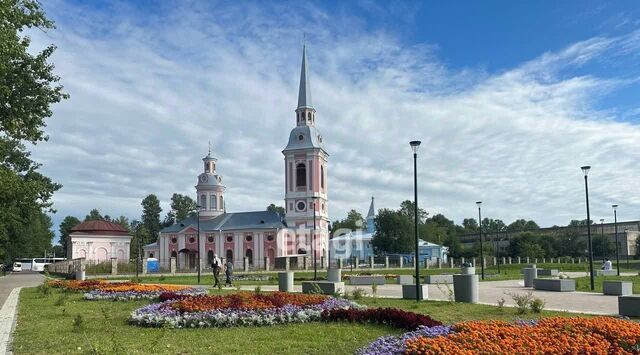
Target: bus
38	264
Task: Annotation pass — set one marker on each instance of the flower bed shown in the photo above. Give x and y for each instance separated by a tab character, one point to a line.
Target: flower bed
396	345
600	335
386	276
390	316
240	309
120	291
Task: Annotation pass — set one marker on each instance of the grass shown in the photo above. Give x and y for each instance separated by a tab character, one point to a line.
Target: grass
65	323
584	283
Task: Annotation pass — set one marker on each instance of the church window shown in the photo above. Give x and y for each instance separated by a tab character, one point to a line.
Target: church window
174	240
210	238
309	115
322	176
270	238
301	205
301	137
248	238
206	167
203	201
301	175
229	239
214	202
221	204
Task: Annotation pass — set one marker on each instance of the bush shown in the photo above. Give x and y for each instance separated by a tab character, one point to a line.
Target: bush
390	316
357	293
522	301
537	305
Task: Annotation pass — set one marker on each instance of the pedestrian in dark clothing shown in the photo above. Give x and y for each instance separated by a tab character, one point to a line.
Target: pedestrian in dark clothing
229	273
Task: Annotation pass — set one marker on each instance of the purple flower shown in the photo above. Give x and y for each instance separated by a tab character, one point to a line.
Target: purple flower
395	345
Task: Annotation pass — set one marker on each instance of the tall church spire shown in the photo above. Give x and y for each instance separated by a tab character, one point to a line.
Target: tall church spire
304	93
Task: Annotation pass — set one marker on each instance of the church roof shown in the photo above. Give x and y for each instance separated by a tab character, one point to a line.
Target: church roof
372	210
100	227
304	137
304	93
231	221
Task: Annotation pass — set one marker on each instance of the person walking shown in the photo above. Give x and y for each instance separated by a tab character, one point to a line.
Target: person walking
228	273
216	266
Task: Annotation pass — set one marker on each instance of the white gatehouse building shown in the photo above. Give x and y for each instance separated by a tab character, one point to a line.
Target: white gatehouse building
258	235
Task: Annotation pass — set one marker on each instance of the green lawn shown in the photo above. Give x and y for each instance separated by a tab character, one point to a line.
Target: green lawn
584	283
46	325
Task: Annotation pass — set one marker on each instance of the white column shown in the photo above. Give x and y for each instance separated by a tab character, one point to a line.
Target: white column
258	255
238	254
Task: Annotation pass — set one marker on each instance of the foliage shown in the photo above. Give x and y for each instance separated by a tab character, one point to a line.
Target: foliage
65	229
182	206
150	218
30	237
354	221
408	209
394	232
95	215
522	300
391	316
537	305
277	209
598	335
522	225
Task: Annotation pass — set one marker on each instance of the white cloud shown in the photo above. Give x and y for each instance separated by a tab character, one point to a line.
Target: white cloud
148	93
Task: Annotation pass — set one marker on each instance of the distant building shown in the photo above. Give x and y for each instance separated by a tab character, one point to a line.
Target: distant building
359	244
99	241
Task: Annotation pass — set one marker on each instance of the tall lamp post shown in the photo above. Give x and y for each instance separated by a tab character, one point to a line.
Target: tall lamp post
498	253
604	242
479	203
198	240
585	170
414	146
313	240
615	230
330	245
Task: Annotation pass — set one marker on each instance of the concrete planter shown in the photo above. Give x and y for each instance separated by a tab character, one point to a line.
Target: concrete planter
617	288
557	285
469	270
367	280
409	292
285	281
612	272
324	287
334	275
438	279
547	272
465	288
405	280
629	306
529	275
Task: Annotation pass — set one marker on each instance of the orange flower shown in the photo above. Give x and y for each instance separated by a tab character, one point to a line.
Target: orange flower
245	300
102	285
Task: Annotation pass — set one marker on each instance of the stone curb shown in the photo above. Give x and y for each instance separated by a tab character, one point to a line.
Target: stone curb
8	319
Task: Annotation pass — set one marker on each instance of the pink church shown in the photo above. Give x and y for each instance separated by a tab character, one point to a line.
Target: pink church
258	235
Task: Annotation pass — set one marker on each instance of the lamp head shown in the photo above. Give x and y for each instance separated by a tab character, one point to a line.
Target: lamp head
601	220
615	207
479	203
414	145
585	169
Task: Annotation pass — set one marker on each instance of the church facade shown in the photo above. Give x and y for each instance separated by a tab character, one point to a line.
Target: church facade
259	235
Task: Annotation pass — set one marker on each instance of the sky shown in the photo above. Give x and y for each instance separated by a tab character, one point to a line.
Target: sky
508	98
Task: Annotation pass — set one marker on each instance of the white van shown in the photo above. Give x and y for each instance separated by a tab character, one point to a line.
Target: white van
17	267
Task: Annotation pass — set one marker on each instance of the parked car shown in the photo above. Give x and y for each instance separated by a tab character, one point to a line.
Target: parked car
17	267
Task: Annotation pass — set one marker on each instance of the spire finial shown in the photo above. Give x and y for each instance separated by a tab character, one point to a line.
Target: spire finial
304	94
209	148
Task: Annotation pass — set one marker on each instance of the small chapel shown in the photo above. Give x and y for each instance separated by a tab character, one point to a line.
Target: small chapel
258	236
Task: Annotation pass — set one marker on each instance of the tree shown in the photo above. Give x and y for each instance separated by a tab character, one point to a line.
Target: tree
151	217
277	209
408	209
183	206
65	229
493	225
522	225
94	215
603	246
30	239
123	221
394	232
139	235
27	89
354	221
470	225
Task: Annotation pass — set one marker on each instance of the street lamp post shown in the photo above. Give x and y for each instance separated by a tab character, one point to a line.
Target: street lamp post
330	245
604	242
498	253
198	240
615	230
313	240
479	203
585	170
414	146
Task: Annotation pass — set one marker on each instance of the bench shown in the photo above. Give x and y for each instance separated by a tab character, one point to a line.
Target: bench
367	280
547	272
409	292
438	279
405	280
323	287
557	285
612	272
629	306
617	288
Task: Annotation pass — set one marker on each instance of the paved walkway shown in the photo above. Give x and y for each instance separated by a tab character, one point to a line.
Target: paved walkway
10	286
492	291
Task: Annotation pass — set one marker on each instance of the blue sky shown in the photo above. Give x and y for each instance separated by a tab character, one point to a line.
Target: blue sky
510	98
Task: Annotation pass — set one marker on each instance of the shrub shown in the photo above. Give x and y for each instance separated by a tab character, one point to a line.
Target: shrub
357	293
537	305
390	316
522	301
78	321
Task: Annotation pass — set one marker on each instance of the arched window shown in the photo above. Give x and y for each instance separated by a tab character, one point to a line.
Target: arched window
309	115
174	254
206	167
322	176
203	201
214	202
210	257
249	255
301	175
221	204
230	255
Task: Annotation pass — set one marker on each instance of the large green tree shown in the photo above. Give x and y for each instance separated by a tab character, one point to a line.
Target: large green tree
277	209
353	222
151	218
65	229
183	206
28	87
408	209
94	215
394	232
